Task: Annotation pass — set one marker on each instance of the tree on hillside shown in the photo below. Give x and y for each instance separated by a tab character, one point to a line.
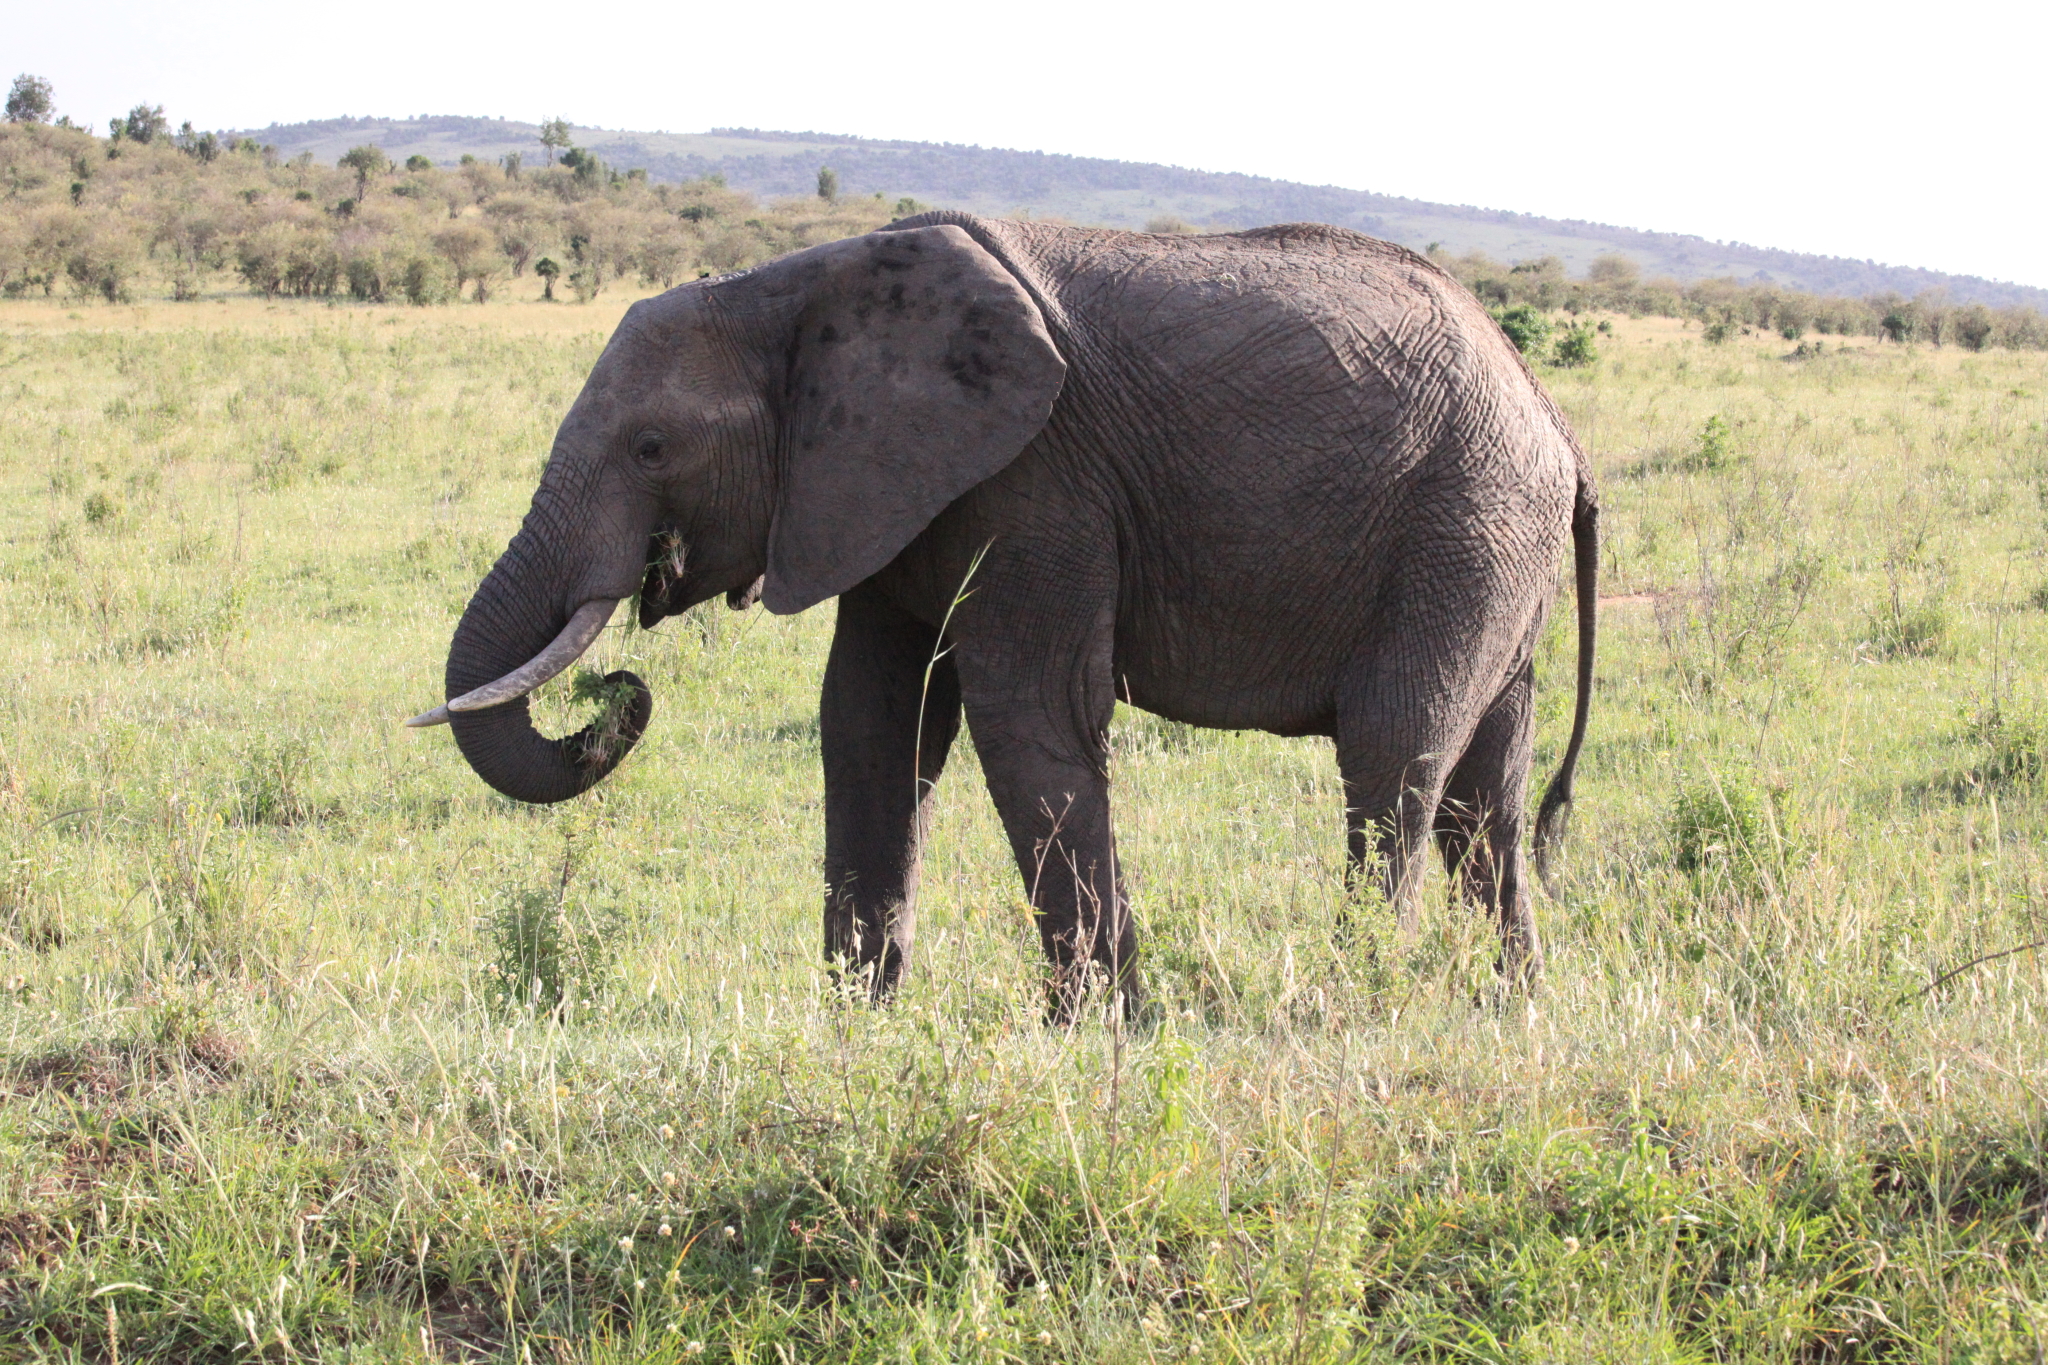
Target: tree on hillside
1613	268
554	133
365	161
202	146
29	100
416	162
828	184
144	123
547	270
472	252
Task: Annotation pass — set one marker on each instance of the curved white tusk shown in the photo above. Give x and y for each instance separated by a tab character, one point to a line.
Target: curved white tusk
583	628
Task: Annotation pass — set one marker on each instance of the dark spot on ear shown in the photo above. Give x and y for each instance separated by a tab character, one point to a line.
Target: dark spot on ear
829	335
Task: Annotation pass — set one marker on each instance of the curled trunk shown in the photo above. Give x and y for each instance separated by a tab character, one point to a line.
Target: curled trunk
515	614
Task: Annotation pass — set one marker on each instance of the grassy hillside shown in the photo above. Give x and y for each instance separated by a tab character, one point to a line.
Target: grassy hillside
1001	182
273	1083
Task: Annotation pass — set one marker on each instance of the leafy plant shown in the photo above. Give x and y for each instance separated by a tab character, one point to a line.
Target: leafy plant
1524	325
2014	740
548	953
1576	346
1727	828
1713	447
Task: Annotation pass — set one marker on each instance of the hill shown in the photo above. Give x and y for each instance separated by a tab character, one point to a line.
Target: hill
1130	194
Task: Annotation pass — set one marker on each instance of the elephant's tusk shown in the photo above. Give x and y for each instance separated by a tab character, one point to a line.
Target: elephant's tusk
583	628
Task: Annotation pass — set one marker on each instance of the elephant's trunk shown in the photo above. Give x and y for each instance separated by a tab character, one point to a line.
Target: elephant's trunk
512	638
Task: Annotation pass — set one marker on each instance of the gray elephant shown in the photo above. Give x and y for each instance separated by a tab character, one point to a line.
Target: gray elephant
1292	479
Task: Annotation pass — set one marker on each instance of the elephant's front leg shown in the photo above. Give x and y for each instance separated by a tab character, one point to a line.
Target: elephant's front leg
1050	780
884	674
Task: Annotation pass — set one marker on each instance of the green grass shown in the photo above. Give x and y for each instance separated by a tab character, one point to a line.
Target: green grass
267	1091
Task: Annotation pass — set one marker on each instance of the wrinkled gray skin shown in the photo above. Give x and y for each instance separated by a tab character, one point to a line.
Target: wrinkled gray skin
1292	480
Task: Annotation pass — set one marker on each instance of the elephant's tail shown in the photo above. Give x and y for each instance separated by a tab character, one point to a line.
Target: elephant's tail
1554	818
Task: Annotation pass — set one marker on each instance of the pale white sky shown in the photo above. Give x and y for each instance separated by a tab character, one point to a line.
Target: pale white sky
1910	135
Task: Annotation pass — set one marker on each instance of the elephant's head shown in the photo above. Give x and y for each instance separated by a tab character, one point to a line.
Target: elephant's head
794	426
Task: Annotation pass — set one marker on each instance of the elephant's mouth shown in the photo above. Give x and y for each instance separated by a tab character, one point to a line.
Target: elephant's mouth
666	588
662	586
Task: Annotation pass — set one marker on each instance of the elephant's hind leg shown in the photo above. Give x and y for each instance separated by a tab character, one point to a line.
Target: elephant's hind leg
1480	821
1404	716
880	769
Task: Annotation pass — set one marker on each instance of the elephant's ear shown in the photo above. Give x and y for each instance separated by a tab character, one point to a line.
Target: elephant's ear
920	368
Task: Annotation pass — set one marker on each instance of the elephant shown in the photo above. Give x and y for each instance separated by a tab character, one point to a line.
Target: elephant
1293	479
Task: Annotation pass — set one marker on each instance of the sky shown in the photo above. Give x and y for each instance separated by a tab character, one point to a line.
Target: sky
1906	135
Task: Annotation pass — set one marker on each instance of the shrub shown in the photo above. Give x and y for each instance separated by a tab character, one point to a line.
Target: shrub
1898	629
416	162
1972	326
1576	347
547	954
1727	828
423	281
1524	325
828	184
2014	741
1713	448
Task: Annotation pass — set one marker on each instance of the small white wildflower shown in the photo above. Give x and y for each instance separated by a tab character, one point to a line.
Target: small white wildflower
1571	1246
639	1285
695	1348
1151	1263
1045	1338
661	1231
666	1132
758	1270
731	1233
626	1244
668	1180
508	1146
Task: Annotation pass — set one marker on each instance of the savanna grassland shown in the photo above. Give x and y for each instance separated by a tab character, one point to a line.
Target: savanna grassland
314	1048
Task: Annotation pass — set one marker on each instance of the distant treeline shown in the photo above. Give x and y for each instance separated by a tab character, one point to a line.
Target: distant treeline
190	214
187	214
1613	284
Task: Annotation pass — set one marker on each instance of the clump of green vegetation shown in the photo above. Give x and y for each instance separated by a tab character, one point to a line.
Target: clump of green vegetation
550	952
1713	446
272	786
1728	828
2013	740
1576	346
1525	325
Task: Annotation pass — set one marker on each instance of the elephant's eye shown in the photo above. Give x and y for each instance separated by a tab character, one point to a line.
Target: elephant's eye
649	446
